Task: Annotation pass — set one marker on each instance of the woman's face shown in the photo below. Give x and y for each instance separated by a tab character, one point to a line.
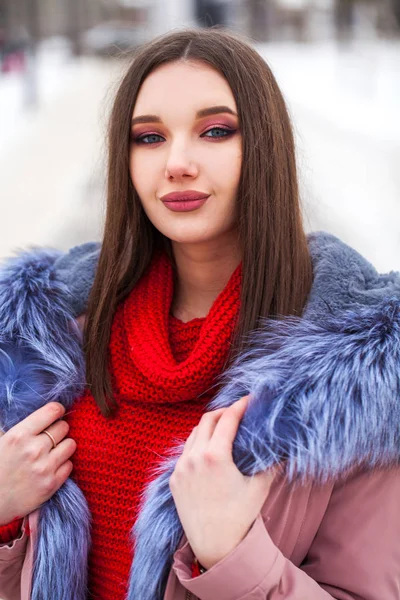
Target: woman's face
185	136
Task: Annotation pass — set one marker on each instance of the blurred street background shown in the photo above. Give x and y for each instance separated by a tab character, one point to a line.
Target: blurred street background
337	62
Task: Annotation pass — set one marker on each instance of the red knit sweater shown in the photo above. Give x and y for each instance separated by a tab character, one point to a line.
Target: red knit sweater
162	373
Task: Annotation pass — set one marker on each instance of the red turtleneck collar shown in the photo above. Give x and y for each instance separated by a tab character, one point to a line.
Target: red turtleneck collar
142	327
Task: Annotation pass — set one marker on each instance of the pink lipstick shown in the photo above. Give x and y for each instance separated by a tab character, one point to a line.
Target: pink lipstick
184	201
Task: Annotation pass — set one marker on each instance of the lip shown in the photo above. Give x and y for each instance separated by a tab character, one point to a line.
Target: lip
184	201
186	196
186	205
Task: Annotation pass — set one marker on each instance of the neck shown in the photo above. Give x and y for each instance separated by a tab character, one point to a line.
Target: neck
203	270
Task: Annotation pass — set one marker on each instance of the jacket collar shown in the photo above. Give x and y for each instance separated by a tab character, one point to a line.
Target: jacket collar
343	355
343	279
325	391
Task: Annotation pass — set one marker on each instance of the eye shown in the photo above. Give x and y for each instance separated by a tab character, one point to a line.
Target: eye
150	137
219	132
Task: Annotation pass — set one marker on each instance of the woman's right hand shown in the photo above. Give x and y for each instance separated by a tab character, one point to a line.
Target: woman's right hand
31	471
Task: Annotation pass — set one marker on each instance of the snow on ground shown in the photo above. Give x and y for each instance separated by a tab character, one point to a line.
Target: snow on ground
50	155
344	104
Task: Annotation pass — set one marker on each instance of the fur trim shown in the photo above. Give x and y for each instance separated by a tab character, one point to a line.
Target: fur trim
325	399
60	563
76	270
41	360
344	279
41	357
325	392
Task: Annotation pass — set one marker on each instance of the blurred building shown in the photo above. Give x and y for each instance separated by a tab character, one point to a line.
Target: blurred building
25	22
308	20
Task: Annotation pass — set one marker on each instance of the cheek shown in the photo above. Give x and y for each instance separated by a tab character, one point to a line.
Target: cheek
231	160
142	173
231	169
236	166
222	168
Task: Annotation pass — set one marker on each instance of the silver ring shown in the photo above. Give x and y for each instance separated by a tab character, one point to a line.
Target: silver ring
51	437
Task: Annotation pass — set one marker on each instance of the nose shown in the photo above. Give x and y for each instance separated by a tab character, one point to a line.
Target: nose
179	163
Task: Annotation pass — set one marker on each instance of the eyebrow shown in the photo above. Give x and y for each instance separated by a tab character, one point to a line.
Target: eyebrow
204	112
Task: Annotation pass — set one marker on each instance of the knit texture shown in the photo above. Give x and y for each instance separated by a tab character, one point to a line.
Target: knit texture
319	367
11	531
182	339
177	365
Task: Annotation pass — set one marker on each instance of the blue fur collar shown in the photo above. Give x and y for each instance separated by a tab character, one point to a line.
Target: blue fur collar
326	394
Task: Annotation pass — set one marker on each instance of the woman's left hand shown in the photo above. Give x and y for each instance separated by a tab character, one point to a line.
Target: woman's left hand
216	504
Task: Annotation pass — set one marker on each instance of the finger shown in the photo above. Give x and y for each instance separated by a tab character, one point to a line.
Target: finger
62	474
206	427
192	439
226	428
62	453
189	442
58	431
41	418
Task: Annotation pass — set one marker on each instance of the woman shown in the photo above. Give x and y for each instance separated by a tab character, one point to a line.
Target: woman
287	484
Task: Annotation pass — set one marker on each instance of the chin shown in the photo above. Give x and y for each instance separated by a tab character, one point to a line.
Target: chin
187	235
200	232
189	239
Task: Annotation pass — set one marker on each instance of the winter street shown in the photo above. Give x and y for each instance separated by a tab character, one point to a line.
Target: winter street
345	110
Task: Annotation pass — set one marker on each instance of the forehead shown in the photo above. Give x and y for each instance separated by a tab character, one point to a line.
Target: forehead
184	84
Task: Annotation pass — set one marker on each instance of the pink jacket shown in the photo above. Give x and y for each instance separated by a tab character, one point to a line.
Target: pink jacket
327	388
309	543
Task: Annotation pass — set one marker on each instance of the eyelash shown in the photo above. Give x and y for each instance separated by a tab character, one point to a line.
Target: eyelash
228	132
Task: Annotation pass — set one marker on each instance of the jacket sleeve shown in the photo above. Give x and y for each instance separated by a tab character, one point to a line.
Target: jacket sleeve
12	557
354	556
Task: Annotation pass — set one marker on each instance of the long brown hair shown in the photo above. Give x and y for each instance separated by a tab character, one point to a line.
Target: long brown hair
276	265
